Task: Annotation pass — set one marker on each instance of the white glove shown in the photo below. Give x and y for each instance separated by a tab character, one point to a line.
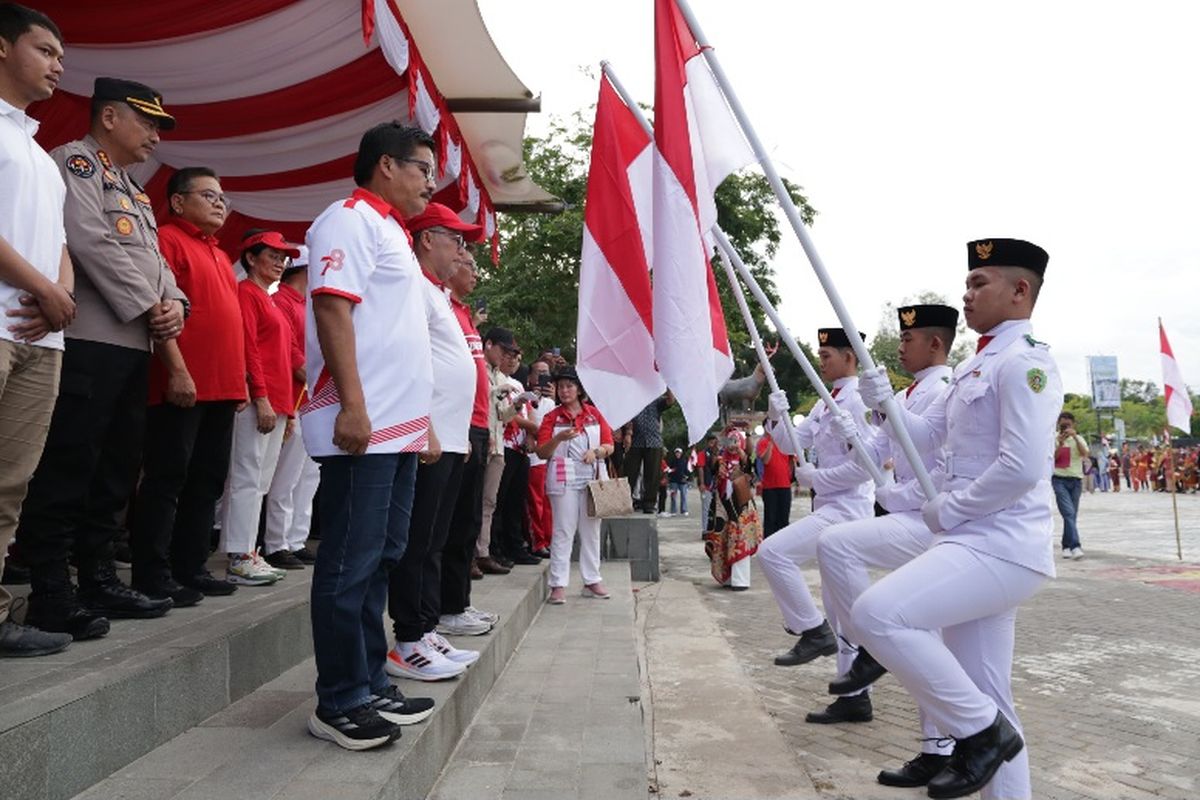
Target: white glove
805	474
875	388
931	511
777	405
843	426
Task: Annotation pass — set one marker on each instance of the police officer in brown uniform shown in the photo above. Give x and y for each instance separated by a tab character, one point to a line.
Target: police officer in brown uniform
127	299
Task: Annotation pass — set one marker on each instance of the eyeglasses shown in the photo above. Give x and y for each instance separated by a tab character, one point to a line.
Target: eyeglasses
425	167
457	238
212	197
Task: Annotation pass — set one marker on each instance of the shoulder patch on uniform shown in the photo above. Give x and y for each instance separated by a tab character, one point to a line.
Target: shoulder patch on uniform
80	166
1036	378
1032	342
124	226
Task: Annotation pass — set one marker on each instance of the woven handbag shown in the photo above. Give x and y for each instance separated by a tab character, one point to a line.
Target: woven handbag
608	496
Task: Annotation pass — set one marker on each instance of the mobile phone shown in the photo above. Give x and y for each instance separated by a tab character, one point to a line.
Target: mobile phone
544	380
481	304
556	351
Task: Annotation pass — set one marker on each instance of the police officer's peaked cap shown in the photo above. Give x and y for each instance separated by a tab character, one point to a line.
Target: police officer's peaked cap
140	97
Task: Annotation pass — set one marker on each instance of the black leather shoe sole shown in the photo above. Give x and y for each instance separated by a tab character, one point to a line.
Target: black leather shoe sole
211	587
81	626
835	714
917	772
152	610
804	654
857	679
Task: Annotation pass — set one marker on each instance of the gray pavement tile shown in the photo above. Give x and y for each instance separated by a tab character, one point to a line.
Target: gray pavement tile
135	789
189	756
612	781
484	782
260	709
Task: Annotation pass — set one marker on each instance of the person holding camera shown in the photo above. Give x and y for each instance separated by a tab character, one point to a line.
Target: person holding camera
1069	451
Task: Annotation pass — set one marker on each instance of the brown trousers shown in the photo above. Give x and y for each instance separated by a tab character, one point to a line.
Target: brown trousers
28	389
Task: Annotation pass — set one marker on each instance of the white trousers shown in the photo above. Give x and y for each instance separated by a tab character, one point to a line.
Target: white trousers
781	555
844	554
290	498
491	487
963	677
571	517
251	468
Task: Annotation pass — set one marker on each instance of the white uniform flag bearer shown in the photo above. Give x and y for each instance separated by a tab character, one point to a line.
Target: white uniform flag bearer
699	144
1178	401
615	331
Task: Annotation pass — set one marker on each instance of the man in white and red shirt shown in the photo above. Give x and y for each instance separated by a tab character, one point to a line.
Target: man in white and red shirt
414	590
370	379
541	518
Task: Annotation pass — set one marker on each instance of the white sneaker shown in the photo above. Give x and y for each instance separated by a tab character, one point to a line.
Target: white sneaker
1066	552
1076	553
244	570
439	643
462	625
485	616
419	661
263	565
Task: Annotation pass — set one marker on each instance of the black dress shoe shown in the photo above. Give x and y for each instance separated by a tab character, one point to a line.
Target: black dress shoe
64	615
284	559
504	561
862	673
24	641
813	643
305	555
543	553
115	600
209	585
856	708
526	559
181	596
976	759
916	772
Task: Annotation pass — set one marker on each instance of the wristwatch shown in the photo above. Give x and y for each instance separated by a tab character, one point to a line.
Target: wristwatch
187	307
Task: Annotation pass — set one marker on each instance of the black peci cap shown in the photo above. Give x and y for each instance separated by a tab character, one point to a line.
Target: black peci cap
138	96
927	316
1006	253
834	337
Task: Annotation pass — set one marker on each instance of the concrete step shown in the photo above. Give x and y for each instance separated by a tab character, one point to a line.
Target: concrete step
259	748
565	720
70	720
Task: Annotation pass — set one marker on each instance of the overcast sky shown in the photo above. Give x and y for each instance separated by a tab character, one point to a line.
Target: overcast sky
915	127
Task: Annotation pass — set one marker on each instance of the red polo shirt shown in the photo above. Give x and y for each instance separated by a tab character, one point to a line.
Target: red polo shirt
479	415
777	467
291	303
269	362
211	341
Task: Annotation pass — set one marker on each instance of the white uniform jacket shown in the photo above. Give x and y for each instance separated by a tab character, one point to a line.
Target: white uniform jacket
996	426
904	494
840	479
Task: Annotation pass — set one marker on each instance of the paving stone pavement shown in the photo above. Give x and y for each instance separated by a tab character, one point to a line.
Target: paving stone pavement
564	721
1105	675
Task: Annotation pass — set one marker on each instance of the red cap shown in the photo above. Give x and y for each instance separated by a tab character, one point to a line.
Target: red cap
437	215
272	239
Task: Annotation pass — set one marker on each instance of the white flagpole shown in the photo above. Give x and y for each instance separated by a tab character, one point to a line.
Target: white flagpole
734	261
890	407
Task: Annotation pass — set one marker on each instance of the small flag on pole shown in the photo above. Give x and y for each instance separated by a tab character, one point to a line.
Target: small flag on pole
1178	401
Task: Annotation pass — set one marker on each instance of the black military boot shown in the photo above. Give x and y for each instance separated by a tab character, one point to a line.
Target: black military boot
102	593
862	673
856	708
976	759
813	643
917	772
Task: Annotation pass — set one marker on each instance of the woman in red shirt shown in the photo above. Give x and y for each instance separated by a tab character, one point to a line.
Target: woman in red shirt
573	438
258	430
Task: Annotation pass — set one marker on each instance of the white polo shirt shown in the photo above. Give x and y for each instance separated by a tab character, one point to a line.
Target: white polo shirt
359	249
31	210
453	372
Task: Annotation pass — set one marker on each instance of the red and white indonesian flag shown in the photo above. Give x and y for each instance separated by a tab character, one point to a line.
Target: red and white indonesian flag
615	356
699	144
1178	401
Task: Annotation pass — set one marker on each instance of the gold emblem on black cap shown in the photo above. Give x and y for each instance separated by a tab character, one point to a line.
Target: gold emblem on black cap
983	250
908	316
823	336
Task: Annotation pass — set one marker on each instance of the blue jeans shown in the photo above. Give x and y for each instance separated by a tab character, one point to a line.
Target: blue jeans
705	499
366	505
1067	492
680	490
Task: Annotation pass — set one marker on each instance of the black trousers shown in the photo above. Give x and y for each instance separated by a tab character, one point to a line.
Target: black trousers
90	465
415	584
646	461
509	526
185	469
777	509
465	524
